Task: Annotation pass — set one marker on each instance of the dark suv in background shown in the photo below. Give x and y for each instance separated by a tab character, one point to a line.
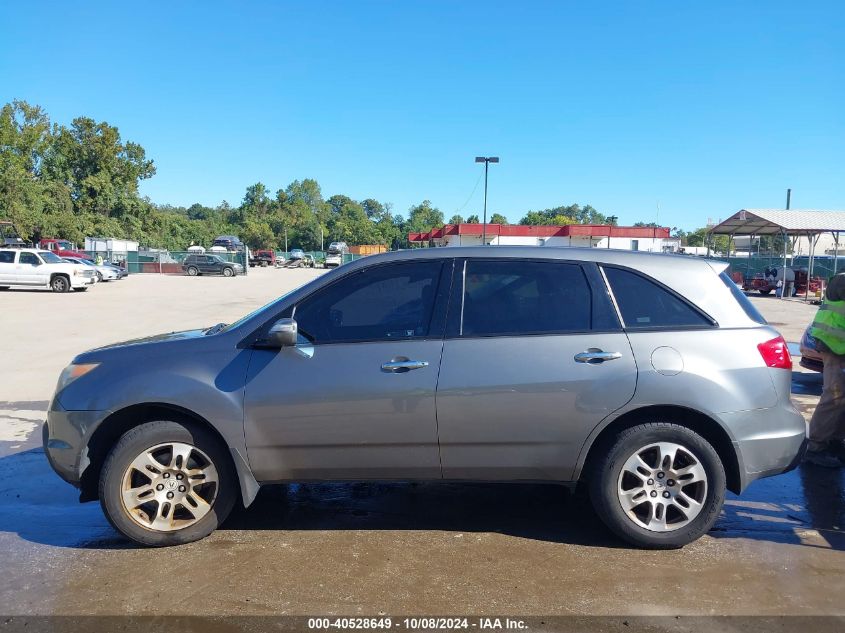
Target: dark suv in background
210	265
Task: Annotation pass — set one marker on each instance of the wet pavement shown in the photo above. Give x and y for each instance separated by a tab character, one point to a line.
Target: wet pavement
441	548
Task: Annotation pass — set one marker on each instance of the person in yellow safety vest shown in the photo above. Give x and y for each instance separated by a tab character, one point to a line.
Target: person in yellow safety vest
99	260
827	426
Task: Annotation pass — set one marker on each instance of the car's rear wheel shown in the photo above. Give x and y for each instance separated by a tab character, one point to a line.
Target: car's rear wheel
59	283
658	486
228	272
167	483
99	276
192	271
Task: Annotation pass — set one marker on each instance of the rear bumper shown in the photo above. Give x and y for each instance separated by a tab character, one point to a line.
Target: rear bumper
767	441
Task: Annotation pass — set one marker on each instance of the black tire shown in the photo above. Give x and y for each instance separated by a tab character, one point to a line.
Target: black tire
3	288
765	292
99	276
228	271
192	271
604	479
60	283
141	438
82	289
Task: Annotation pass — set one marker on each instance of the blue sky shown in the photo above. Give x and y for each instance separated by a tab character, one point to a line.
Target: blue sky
704	108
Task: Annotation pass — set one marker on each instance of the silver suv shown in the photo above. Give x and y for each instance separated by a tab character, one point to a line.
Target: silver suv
650	379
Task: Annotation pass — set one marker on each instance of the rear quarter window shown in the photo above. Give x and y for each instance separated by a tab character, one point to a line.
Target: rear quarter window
645	304
742	300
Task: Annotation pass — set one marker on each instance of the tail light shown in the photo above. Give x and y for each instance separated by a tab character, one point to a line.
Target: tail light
775	353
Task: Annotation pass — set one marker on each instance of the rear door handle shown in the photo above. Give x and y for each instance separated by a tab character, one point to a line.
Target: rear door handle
596	356
402	366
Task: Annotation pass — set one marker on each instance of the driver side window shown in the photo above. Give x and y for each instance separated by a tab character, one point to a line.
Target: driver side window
383	303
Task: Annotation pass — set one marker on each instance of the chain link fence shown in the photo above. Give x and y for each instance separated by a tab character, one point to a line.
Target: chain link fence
170	262
824	266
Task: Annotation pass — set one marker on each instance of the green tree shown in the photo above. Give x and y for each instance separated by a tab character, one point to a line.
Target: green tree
101	171
424	217
498	218
456	219
473	219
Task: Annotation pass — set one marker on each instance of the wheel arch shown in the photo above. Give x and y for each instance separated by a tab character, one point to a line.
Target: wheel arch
65	275
700	423
119	422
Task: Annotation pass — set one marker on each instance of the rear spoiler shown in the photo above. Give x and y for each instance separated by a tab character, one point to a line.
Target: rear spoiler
718	265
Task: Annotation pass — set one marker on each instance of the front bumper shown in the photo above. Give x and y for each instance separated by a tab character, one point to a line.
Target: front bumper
82	282
65	437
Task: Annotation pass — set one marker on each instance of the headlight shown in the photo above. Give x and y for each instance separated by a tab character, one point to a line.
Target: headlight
72	372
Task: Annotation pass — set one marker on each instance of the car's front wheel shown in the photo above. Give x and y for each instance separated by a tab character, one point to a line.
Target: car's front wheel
193	271
658	485
167	483
228	272
59	283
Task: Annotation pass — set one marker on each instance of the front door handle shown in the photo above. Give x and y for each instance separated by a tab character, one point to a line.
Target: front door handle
595	356
402	366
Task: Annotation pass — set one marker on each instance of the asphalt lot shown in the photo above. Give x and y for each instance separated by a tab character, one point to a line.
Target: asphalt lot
375	548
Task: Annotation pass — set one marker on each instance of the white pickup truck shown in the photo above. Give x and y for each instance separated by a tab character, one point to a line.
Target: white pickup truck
40	268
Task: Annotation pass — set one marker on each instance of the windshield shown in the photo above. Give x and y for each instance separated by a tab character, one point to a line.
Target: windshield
65	245
50	258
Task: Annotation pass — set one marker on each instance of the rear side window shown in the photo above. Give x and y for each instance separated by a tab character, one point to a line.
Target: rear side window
742	300
7	257
645	304
503	297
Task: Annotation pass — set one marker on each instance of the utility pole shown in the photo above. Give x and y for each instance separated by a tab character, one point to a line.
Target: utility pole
486	160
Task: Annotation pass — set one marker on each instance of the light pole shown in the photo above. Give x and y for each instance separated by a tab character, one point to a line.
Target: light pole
486	160
611	220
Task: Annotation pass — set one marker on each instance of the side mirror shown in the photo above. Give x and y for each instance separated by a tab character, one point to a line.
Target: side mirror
283	333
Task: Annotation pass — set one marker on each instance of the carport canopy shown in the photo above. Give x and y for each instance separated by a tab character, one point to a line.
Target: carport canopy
810	223
773	221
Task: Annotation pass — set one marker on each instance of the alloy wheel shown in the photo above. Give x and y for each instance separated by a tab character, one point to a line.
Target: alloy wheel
662	486
169	487
60	284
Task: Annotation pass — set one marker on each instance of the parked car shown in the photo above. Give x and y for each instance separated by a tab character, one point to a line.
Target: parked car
104	272
650	379
195	265
229	242
34	267
297	253
811	358
334	256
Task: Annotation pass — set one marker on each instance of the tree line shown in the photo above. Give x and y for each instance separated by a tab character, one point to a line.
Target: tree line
82	179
